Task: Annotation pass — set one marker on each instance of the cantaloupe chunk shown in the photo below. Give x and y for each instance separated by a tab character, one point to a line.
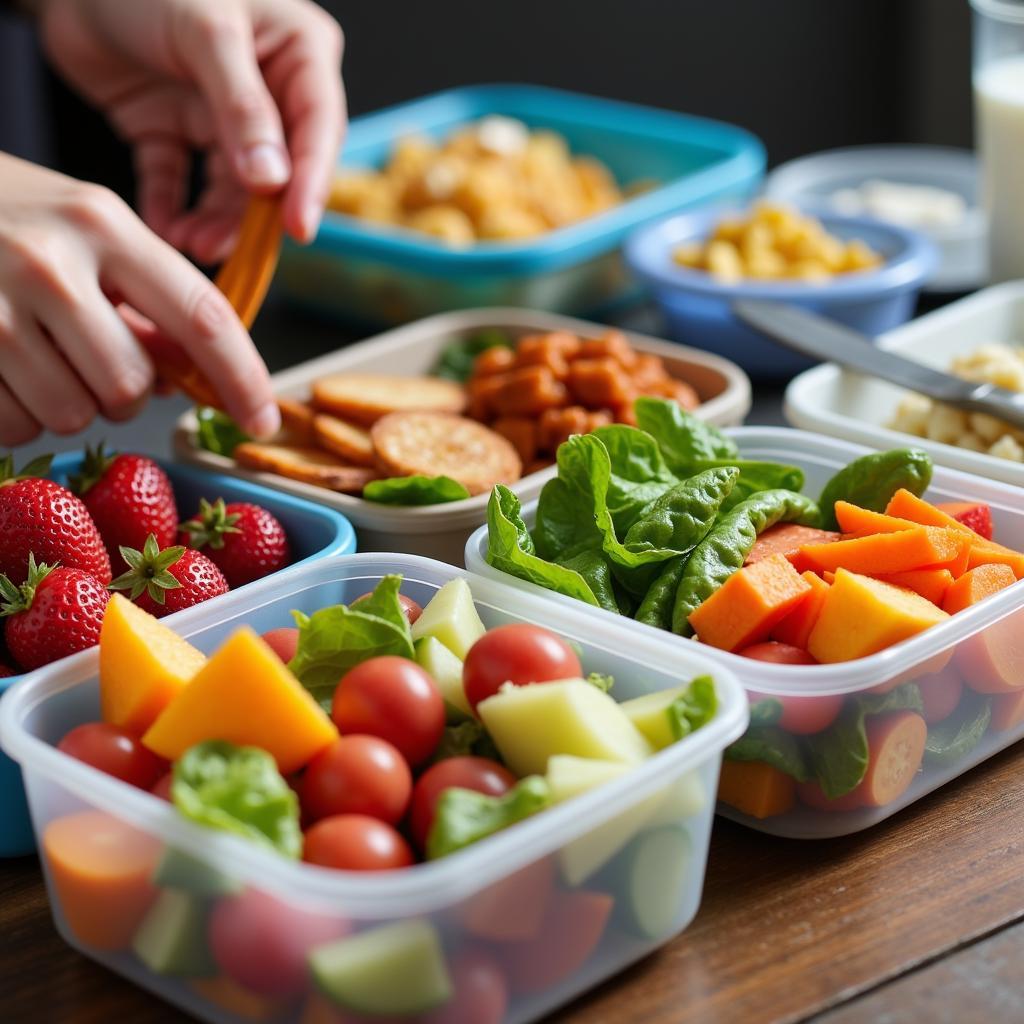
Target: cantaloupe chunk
977	584
925	547
987	552
796	627
862	615
750	602
862	522
244	695
143	665
931	584
992	661
756	788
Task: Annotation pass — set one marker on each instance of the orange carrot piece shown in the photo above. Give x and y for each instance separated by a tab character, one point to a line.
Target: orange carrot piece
749	604
527	391
521	432
862	522
787	539
895	749
921	548
1007	711
993	661
756	788
613	344
599	383
829	577
796	627
493	360
987	552
929	583
977	584
101	870
905	504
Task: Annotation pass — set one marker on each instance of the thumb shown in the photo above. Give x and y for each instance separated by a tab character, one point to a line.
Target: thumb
218	48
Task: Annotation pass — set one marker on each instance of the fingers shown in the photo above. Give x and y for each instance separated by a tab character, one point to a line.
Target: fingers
218	46
16	425
162	167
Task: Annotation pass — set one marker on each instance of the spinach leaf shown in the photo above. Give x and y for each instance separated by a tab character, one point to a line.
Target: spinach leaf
766	711
872	480
240	790
456	361
754	477
218	432
595	570
774	746
414	490
682	438
656	607
955	737
693	708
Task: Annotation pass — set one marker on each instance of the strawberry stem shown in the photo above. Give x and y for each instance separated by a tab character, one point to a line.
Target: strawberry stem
210	525
39	466
95	462
149	570
19	599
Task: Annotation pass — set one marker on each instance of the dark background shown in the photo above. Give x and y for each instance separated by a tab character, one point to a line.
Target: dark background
803	75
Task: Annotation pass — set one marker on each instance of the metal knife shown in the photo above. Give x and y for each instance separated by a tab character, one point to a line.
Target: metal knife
820	338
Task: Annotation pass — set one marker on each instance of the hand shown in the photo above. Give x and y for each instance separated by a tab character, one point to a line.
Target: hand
253	84
70	255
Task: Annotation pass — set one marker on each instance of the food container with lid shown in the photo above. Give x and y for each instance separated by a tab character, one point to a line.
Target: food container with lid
313	531
558	902
974	653
441	531
357	270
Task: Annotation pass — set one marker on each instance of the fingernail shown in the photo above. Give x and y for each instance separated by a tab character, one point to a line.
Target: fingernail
311	221
264	165
265	422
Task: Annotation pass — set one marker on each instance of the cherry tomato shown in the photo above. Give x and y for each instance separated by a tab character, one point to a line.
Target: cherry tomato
519	654
283	641
356	842
802	716
477	773
412	610
392	698
481	992
357	775
162	786
263	944
778	654
115	752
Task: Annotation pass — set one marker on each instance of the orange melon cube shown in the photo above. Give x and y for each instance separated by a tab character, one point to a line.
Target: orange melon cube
796	627
977	584
929	583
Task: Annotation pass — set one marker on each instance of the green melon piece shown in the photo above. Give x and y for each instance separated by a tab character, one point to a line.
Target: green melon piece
451	617
180	870
655	873
446	670
650	715
569	776
394	969
172	936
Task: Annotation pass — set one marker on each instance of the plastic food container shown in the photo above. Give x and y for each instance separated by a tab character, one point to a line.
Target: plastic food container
314	532
697	308
957	646
357	271
847	405
441	531
963	256
655	820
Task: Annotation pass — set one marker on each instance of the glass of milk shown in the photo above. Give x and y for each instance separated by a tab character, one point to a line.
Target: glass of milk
999	126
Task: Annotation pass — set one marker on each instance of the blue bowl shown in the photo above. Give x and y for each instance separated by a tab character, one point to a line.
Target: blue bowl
313	530
375	274
698	310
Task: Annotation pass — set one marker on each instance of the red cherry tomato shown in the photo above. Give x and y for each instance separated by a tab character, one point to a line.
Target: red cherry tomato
392	698
778	654
162	786
519	654
357	775
263	944
481	992
477	773
356	842
412	610
802	716
283	641
115	752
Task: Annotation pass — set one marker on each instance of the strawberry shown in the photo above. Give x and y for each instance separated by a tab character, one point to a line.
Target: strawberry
55	612
40	516
166	581
129	497
245	541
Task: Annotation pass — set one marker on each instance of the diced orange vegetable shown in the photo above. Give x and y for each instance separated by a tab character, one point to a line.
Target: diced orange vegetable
236	1000
101	871
1007	711
648	370
749	604
611	345
599	383
829	577
987	552
921	548
245	695
993	661
862	522
521	432
895	749
557	425
482	392
977	584
493	360
861	615
756	788
787	539
929	583
512	909
540	350
975	515
565	342
528	391
678	390
905	504
796	627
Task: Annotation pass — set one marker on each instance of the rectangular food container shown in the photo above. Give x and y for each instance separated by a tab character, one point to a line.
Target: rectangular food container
848	405
660	811
314	532
441	531
355	270
962	647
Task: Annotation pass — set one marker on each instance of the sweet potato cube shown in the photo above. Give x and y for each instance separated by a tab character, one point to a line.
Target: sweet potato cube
987	552
611	345
924	547
543	350
862	522
756	788
746	607
861	616
557	425
521	433
528	391
929	583
977	584
796	627
493	360
648	370
787	539
599	383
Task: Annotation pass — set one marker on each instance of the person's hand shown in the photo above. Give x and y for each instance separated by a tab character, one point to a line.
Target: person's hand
254	85
70	255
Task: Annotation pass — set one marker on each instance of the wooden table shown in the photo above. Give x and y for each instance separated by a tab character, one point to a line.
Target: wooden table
918	919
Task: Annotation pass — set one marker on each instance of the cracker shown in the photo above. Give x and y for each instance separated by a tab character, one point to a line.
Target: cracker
440	444
365	397
346	440
296	420
308	465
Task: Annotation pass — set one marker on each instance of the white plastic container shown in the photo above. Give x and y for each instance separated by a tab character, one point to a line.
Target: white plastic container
922	659
844	404
441	531
451	900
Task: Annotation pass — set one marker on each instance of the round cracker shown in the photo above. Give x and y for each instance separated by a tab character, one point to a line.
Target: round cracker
440	444
366	397
296	420
307	465
346	440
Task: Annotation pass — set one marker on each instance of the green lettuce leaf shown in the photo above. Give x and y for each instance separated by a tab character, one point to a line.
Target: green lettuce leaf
457	358
756	476
956	736
682	438
218	432
466	738
774	746
694	708
414	490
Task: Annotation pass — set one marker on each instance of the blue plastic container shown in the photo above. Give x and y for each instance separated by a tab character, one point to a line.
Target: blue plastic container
382	275
313	530
697	308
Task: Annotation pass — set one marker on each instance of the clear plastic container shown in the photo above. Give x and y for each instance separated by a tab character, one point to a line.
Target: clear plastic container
441	531
561	901
314	532
938	660
358	271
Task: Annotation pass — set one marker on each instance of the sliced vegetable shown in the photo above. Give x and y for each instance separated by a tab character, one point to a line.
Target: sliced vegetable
931	584
952	740
975	585
756	788
172	938
895	745
452	618
796	625
940	694
446	670
1007	710
414	490
770	744
668	715
924	547
655	870
992	661
872	480
568	776
787	539
975	515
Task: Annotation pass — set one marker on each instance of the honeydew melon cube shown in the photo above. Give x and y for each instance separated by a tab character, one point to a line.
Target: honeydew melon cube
451	617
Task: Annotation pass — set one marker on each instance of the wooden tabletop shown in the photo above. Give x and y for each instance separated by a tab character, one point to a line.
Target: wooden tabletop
918	919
